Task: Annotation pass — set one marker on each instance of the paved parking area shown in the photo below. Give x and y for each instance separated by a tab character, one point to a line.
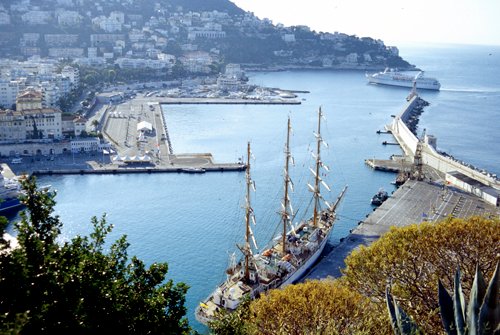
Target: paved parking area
414	202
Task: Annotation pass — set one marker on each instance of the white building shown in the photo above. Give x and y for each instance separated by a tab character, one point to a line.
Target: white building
51	94
197	62
140	63
55	40
230	84
289	38
117	16
65	52
4	18
351	58
136	36
108	24
8	92
35	17
234	70
69	18
79	125
206	34
12	126
29	99
85	144
73	74
48	123
91	52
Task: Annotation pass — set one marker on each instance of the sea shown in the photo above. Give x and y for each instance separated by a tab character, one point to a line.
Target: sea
194	221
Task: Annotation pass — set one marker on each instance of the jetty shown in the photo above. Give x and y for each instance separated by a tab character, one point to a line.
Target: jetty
439	187
222	101
414	202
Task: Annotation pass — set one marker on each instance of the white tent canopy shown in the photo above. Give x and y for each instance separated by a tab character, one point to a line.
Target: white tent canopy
144	126
133	159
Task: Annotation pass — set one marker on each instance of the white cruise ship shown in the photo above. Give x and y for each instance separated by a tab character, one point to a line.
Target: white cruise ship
394	78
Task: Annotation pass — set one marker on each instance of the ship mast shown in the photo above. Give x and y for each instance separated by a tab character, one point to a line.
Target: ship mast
284	214
317	179
248	209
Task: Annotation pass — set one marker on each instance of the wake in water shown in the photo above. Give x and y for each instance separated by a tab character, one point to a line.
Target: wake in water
471	90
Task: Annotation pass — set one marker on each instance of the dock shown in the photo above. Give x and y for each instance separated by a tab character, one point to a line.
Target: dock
433	197
388	165
414	202
143	169
221	101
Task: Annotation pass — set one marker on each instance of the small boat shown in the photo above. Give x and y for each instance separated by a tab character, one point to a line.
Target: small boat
393	77
10	190
287	257
379	197
193	170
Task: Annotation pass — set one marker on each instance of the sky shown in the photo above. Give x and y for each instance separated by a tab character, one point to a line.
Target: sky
393	21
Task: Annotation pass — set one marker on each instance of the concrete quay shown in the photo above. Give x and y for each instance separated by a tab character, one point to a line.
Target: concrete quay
120	125
221	101
414	202
388	165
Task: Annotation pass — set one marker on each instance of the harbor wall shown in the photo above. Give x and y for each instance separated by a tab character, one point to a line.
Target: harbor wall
445	164
408	142
406	139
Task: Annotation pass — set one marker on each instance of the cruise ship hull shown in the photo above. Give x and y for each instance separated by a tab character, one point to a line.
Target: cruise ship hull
391	78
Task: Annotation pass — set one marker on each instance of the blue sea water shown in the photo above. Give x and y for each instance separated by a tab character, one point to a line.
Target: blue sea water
194	221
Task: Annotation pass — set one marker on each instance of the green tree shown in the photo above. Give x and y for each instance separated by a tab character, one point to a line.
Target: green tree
81	286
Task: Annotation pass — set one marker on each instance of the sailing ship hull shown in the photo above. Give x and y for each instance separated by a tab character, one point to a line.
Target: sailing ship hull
289	256
307	265
205	312
293	278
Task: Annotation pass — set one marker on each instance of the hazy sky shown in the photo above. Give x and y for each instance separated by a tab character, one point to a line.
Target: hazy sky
393	21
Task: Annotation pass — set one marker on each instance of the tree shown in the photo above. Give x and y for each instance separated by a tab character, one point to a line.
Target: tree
317	307
81	286
314	307
413	258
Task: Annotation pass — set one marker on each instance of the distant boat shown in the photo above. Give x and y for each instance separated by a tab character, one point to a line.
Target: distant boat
288	256
393	77
194	170
379	197
10	189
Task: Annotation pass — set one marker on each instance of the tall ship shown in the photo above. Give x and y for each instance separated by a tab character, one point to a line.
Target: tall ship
393	77
287	256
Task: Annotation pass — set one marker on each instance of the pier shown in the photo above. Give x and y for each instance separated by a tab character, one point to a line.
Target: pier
133	170
220	101
388	165
444	188
414	202
424	152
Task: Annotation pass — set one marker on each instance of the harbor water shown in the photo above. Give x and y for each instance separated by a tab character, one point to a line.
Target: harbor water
193	221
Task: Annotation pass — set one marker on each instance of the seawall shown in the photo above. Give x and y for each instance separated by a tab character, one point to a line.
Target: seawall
408	142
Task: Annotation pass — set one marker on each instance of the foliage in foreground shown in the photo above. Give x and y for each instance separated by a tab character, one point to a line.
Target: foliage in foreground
79	286
314	307
413	258
481	316
410	259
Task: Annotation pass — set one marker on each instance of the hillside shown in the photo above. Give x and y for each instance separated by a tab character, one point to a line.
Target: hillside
145	28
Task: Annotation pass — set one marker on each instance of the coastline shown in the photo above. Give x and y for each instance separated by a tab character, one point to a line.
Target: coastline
278	68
